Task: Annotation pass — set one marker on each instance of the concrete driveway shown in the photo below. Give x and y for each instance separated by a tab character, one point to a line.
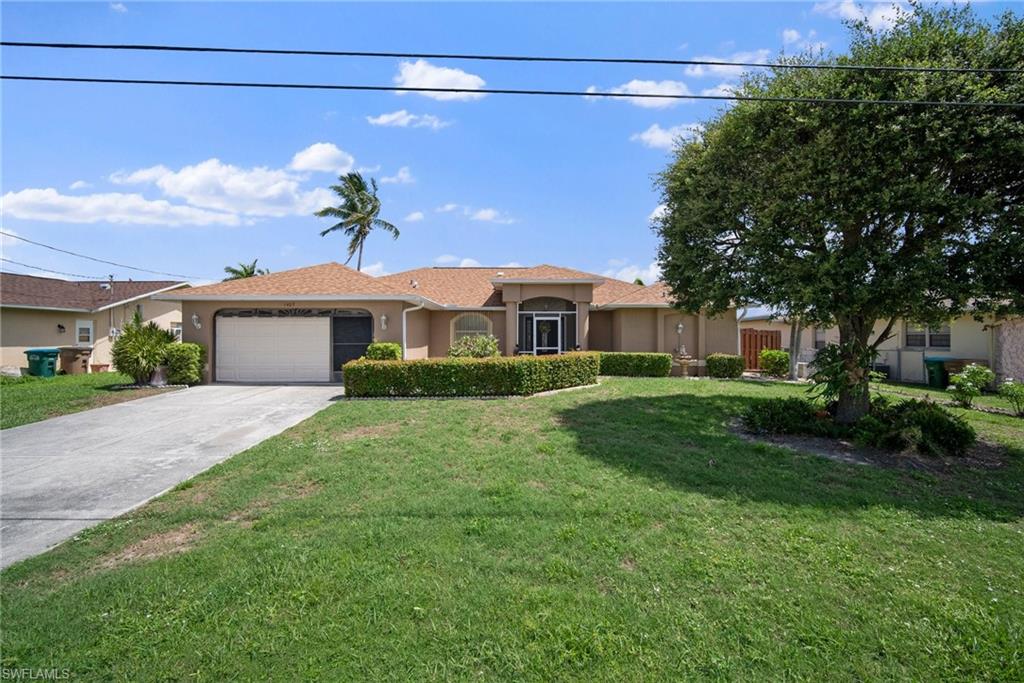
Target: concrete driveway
62	475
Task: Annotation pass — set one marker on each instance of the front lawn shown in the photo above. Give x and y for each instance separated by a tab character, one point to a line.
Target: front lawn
32	399
939	395
614	533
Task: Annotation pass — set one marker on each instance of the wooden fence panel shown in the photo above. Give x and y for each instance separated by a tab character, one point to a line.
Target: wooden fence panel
752	342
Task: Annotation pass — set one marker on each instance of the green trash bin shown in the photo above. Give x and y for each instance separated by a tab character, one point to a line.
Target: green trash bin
938	378
42	362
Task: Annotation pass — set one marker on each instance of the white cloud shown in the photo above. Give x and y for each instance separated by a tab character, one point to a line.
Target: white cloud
454	261
512	264
648	87
423	74
111	207
657	137
701	70
118	7
403	177
790	36
880	16
720	90
403	119
658	212
375	269
8	242
649	275
446	259
79	185
323	156
414	217
449	207
491	216
469	263
212	184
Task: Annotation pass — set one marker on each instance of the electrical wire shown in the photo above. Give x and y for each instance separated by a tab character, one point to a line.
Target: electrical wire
98	260
506	91
502	58
48	270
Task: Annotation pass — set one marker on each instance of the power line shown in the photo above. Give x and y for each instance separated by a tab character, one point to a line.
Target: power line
48	270
503	58
98	260
505	91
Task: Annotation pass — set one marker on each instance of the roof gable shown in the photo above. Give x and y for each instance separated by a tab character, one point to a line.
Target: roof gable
31	291
326	279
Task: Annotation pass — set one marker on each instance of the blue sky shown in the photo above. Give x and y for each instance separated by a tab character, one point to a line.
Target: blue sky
189	180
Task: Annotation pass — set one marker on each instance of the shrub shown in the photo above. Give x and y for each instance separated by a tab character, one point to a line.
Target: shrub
636	364
1013	392
923	426
500	376
774	362
185	363
139	349
787	416
724	365
384	351
475	346
966	385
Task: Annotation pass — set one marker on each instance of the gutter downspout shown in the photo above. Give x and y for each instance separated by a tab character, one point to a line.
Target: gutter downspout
405	328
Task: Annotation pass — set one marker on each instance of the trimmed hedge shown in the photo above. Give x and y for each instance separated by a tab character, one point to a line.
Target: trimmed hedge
725	365
501	376
636	364
384	351
185	362
774	362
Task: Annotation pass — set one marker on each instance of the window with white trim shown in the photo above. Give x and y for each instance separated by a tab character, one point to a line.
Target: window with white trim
932	337
176	331
916	336
470	325
819	337
939	337
83	332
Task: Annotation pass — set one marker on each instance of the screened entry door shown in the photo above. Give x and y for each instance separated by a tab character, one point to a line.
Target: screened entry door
547	335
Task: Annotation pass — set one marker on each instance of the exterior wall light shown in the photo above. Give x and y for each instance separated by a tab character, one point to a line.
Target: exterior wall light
384	322
196	323
61	329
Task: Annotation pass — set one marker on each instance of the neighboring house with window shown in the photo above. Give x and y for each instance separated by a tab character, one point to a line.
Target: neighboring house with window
304	324
959	341
77	317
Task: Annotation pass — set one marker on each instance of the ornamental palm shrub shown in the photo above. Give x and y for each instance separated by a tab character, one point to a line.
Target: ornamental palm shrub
1013	392
966	385
774	362
140	349
475	346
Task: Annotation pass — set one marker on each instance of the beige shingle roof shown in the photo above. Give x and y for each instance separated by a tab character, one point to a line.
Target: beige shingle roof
653	295
47	292
326	279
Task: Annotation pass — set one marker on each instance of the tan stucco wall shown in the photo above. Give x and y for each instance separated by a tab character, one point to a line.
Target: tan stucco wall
441	329
600	330
417	338
634	329
670	337
22	329
574	293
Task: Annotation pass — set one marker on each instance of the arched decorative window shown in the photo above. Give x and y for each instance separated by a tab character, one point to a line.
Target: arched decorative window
470	325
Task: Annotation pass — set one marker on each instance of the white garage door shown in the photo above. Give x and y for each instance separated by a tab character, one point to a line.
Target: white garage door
273	349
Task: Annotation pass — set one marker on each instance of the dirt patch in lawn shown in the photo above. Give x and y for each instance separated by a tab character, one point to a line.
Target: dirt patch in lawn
368	432
165	543
981	456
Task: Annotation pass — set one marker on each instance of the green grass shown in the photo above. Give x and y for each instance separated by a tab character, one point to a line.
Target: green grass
616	533
920	391
34	399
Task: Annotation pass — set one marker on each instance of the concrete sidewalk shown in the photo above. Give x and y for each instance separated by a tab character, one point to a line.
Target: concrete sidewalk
62	475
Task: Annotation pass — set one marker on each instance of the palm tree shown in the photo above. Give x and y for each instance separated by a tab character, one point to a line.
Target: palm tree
357	213
244	270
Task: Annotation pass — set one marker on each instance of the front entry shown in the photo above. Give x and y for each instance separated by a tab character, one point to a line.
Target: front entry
547	335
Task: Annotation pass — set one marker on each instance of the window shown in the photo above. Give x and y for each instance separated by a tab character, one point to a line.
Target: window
138	309
83	333
916	335
938	337
176	331
819	337
470	325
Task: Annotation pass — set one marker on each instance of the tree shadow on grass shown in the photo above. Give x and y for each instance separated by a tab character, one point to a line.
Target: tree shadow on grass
686	442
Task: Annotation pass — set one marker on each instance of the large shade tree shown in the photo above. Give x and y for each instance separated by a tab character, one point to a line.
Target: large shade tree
860	214
357	213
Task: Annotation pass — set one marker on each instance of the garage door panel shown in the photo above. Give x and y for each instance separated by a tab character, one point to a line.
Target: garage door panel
273	349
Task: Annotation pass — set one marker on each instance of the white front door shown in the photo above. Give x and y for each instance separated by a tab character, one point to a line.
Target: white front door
547	335
85	335
287	349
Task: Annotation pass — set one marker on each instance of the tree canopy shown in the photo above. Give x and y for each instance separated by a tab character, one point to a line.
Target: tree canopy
357	214
244	270
851	214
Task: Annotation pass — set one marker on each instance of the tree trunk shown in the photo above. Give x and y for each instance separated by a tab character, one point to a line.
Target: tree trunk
796	330
854	399
359	261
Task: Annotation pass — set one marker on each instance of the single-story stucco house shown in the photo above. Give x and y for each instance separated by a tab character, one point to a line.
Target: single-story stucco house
996	343
80	317
304	324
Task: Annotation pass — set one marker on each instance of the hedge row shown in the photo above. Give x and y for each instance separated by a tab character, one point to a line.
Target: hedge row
185	363
636	364
502	376
384	351
724	365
